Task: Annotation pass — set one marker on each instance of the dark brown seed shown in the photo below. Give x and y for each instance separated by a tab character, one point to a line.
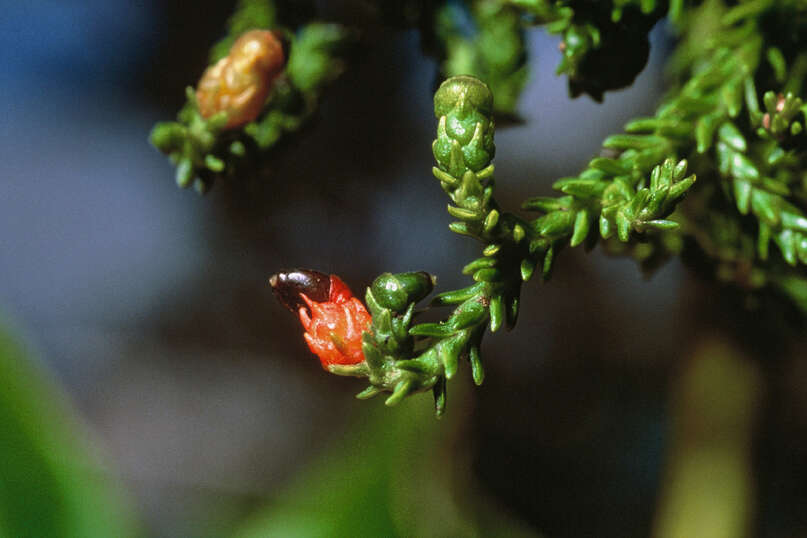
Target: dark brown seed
288	285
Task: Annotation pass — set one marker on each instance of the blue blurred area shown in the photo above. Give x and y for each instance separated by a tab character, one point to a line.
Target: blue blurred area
73	43
93	234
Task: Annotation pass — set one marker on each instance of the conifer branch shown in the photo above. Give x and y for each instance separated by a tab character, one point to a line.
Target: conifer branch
628	196
714	114
749	158
464	149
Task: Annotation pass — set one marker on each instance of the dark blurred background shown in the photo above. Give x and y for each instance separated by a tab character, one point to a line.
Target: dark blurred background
151	304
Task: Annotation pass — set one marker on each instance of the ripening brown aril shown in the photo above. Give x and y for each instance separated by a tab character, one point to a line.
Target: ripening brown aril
239	83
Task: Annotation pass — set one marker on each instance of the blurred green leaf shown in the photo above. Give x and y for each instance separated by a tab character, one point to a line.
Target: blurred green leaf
48	485
392	475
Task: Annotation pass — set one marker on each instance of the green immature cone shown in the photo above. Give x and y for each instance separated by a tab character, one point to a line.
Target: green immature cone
397	291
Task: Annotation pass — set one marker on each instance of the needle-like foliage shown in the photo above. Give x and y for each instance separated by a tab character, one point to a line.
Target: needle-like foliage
716	175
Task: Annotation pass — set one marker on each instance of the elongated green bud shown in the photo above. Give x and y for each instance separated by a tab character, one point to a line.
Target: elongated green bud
463	106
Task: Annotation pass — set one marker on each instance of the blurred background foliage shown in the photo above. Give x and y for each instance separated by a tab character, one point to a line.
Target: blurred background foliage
152	315
49	487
